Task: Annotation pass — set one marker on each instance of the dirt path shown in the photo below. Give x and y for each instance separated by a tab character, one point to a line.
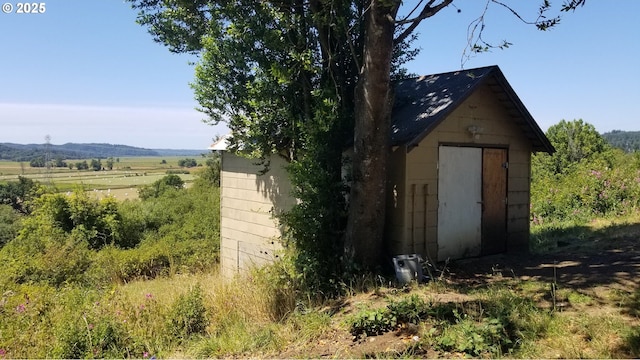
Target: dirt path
593	267
615	264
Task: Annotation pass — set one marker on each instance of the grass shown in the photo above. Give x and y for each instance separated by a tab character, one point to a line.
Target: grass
557	235
121	182
251	316
501	320
14	168
238	318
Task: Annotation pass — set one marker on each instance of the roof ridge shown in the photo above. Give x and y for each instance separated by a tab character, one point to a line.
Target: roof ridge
450	72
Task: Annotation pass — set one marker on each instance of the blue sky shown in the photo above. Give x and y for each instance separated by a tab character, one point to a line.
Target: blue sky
84	71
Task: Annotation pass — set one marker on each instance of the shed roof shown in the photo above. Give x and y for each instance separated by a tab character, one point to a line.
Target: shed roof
221	144
422	103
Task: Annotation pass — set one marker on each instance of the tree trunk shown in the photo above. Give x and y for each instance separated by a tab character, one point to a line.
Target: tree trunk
365	227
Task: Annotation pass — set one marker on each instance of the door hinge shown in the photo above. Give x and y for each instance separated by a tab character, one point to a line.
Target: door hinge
505	165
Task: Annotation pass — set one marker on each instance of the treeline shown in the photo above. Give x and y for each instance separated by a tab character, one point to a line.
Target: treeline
628	141
31	152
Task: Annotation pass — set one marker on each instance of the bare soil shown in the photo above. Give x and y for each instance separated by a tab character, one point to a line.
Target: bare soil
597	267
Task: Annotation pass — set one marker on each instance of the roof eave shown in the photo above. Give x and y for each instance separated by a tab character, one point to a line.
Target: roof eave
443	115
544	145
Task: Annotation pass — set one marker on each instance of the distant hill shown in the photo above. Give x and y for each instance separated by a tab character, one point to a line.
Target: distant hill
629	141
28	152
178	152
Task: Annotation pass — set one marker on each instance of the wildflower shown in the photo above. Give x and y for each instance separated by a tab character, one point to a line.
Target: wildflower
145	354
20	308
90	326
3	353
149	296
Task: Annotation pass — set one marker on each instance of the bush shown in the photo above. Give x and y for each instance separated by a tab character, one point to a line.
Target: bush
85	329
374	322
177	172
168	183
78	240
9	224
51	259
592	189
91	338
475	338
410	310
188	162
584	179
188	315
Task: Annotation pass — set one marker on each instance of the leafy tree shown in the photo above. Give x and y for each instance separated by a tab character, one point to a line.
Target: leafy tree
574	142
299	79
188	162
82	165
109	163
167	183
9	224
210	173
96	165
37	162
85	219
59	162
18	194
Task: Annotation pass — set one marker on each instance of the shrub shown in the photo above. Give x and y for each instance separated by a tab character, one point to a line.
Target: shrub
373	322
188	315
86	330
591	189
177	172
9	224
49	258
475	338
188	162
410	310
91	338
167	183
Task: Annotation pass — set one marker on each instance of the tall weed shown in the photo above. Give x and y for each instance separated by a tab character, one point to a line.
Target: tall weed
188	315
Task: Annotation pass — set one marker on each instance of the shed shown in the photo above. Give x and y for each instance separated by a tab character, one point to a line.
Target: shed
458	182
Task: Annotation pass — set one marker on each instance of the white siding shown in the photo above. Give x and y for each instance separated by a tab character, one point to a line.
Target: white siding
249	231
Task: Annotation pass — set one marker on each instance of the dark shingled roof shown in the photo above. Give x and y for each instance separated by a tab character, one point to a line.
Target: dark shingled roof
422	103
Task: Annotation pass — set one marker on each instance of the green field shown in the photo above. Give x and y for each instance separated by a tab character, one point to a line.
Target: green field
121	182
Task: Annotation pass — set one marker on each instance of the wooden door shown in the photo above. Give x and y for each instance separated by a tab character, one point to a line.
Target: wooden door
494	198
459	202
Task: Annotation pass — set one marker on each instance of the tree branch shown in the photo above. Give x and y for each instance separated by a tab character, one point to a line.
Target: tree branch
411	12
427	12
572	5
475	42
